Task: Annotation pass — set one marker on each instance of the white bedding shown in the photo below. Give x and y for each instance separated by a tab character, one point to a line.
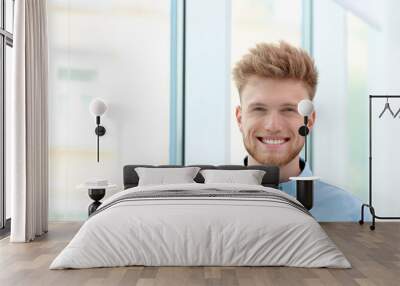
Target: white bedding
200	231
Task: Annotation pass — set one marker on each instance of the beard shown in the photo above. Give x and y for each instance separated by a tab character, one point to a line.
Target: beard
270	158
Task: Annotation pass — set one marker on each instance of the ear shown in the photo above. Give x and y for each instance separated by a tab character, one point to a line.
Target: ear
311	120
238	113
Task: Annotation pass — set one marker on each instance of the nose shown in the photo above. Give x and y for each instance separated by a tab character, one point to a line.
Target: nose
273	122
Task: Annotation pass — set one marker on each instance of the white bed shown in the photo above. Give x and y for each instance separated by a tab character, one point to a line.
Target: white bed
206	230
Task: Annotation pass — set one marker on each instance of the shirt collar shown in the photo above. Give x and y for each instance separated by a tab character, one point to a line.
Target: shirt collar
304	167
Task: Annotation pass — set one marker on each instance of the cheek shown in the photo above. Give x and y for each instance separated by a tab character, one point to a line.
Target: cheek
250	125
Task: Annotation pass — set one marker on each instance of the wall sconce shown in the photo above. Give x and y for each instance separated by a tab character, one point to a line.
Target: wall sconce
305	185
97	107
305	108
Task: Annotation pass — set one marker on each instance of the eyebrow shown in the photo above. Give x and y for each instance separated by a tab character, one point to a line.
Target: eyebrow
256	104
289	105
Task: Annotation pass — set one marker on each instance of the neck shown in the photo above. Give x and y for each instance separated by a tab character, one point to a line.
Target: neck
292	169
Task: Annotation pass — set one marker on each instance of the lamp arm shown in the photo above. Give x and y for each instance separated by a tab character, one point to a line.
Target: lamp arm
98	146
98	141
305	127
305	137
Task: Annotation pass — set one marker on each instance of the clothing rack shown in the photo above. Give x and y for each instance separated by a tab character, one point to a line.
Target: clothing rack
369	205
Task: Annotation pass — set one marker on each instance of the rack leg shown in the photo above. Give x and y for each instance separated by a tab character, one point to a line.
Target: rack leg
361	221
372	211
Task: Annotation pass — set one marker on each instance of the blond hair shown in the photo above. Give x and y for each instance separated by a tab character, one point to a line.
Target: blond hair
281	61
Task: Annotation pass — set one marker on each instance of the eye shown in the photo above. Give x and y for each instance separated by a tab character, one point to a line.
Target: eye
258	109
289	110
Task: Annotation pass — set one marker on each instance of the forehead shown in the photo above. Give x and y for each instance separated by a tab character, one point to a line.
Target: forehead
273	91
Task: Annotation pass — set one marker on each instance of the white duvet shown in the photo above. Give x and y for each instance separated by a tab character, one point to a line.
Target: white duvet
200	231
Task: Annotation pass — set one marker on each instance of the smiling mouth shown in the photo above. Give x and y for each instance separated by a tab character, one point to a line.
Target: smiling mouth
273	141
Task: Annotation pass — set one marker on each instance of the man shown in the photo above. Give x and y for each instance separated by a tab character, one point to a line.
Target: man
272	80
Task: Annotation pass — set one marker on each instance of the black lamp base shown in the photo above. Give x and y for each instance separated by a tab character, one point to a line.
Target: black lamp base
305	193
96	195
100	130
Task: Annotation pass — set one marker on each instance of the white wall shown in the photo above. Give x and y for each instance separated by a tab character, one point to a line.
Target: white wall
120	51
384	79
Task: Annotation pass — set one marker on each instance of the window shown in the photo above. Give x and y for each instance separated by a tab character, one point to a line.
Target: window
357	105
6	44
118	51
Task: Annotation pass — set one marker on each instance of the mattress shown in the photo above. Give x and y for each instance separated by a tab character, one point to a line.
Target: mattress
201	225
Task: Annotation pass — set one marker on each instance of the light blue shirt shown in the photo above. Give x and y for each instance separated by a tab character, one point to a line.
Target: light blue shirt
330	203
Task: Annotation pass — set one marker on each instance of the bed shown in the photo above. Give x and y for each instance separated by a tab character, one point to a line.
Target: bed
201	224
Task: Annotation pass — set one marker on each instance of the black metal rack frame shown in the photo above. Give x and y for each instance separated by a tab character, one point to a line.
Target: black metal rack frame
369	205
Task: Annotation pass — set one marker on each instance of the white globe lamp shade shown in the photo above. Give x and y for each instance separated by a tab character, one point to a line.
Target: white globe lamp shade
97	107
305	107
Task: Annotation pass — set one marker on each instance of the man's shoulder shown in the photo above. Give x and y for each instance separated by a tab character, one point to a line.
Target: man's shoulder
320	184
330	190
333	203
324	184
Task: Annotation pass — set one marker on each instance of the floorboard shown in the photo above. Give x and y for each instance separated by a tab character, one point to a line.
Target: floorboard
374	255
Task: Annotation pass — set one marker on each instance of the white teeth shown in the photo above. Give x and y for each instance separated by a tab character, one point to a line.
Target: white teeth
268	141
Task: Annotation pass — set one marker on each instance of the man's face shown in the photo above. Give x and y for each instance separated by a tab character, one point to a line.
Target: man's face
269	121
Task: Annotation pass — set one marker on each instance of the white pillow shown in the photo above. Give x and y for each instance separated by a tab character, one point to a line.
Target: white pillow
162	176
248	177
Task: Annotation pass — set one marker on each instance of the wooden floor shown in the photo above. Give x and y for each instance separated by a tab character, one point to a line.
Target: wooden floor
374	255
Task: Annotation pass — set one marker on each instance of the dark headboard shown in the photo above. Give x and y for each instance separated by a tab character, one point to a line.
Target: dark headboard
270	179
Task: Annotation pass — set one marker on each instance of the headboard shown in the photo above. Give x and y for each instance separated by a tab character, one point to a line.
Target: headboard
270	179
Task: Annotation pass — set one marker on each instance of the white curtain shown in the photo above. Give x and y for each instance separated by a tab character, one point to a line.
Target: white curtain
28	123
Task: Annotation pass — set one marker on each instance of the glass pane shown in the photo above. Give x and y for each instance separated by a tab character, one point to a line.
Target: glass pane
1	15
253	22
343	72
357	111
118	51
8	82
9	15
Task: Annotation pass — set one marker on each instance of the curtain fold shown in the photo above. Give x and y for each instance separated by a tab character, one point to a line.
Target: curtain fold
29	123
